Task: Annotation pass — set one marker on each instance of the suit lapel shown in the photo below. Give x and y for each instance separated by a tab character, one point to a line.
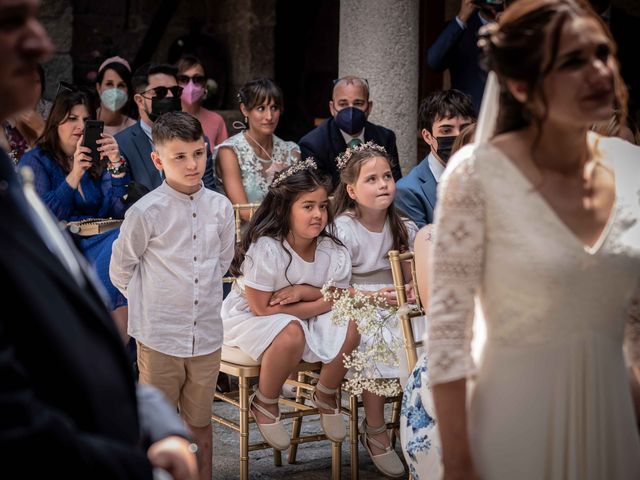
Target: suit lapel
143	145
428	183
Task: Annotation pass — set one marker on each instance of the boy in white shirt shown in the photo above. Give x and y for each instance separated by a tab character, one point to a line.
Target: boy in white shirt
174	246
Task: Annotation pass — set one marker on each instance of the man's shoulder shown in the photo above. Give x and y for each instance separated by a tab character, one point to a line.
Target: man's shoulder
318	134
128	133
415	178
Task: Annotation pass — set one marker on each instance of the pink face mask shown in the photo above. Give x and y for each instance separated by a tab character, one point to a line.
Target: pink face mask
192	93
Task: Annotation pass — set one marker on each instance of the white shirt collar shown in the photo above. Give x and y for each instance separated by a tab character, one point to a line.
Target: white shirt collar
146	129
436	167
348	138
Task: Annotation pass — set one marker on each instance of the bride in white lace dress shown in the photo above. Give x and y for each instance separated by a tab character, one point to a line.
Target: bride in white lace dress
542	226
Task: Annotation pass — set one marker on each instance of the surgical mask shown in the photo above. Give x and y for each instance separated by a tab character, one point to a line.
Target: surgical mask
192	93
163	105
350	120
113	99
444	147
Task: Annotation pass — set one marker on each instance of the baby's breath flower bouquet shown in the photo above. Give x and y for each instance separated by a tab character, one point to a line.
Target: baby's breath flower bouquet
374	317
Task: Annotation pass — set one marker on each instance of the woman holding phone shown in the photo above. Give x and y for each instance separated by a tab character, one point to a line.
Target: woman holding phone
74	187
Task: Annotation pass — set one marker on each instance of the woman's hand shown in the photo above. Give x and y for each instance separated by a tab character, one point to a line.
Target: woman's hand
411	296
287	295
108	147
81	163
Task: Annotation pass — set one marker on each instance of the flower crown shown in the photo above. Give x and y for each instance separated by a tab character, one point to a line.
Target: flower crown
343	158
308	164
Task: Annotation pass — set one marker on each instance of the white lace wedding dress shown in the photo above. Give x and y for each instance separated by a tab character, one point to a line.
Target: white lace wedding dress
550	397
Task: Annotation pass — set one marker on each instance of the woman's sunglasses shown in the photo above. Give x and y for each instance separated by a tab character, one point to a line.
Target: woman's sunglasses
199	80
162	92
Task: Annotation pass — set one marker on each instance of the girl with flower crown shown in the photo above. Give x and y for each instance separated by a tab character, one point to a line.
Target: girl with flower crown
369	226
276	312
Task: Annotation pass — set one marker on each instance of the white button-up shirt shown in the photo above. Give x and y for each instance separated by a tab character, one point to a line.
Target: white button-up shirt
168	260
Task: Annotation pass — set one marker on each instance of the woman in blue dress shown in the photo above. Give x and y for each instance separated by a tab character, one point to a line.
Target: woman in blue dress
74	188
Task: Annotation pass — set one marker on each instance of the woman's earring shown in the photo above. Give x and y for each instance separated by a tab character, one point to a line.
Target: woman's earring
246	121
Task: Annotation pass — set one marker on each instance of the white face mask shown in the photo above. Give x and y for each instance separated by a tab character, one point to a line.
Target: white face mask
113	99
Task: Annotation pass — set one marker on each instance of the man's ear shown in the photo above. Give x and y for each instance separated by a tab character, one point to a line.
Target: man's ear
157	161
139	101
367	112
428	138
518	90
332	109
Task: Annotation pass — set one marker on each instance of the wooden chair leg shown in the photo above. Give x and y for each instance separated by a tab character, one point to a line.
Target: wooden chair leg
395	419
277	458
243	388
297	423
336	460
353	436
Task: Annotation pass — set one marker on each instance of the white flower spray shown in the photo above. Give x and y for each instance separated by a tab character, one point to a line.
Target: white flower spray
377	320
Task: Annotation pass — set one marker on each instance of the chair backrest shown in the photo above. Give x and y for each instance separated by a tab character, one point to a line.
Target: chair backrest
411	346
239	207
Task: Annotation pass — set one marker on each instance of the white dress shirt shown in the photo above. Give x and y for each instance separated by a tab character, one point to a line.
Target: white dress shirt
436	167
168	260
348	138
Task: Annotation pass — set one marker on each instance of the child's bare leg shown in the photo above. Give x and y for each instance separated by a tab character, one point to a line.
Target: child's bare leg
278	360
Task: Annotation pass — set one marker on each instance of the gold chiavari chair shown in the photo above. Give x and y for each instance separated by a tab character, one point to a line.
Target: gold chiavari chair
235	363
411	346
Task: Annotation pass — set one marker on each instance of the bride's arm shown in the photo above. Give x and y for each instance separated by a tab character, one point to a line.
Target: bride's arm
456	262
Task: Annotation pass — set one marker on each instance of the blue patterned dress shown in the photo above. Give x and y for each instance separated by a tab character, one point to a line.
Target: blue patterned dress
100	198
418	430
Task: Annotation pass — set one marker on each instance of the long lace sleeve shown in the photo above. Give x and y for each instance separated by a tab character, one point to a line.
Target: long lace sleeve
456	261
632	332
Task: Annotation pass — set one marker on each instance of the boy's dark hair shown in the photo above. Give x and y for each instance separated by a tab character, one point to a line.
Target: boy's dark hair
444	104
180	125
140	78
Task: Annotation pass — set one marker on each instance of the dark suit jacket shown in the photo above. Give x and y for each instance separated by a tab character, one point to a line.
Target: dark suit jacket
67	395
457	49
325	143
136	149
416	194
625	28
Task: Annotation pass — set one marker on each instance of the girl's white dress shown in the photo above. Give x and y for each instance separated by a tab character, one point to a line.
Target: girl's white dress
550	397
371	271
268	268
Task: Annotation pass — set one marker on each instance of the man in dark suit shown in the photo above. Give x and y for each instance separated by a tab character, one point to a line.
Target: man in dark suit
156	92
457	49
350	107
442	116
68	402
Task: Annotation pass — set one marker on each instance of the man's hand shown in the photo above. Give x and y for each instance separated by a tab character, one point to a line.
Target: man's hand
467	8
174	455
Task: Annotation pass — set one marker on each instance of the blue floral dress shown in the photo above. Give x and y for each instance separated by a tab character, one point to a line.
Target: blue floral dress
418	430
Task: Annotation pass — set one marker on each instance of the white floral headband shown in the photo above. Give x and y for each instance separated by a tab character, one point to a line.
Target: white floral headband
343	159
308	164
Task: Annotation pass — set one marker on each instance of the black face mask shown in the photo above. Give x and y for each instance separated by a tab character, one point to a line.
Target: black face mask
164	105
444	147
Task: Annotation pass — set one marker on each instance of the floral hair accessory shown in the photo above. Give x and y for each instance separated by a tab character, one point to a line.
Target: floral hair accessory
343	158
308	164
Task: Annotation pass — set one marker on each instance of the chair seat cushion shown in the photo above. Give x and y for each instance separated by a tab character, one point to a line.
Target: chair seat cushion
238	357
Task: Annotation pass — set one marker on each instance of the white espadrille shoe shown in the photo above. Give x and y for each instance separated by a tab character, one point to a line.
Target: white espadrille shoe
388	463
273	433
332	423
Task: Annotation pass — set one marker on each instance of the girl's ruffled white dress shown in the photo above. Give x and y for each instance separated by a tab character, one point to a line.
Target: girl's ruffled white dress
269	266
371	271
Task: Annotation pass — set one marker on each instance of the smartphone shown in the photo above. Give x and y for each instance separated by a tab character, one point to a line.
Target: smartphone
92	133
